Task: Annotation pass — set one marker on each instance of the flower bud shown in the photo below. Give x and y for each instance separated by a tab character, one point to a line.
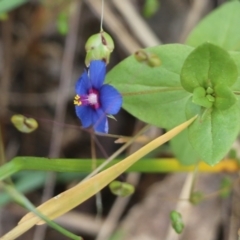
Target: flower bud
151	59
141	55
99	47
121	189
24	124
177	222
210	98
196	197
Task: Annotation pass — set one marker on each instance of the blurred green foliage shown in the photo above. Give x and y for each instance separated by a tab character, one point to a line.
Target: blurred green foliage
8	5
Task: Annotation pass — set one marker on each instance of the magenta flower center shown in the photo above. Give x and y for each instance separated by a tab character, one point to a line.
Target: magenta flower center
90	99
93	98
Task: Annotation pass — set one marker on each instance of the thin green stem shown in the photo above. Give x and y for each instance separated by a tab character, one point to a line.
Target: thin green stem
112	135
98	199
9	169
162	165
194	180
21	199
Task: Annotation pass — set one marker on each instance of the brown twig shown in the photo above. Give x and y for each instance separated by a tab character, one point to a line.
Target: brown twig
61	104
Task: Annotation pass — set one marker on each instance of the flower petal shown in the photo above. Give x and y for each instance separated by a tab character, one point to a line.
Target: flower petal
110	99
85	113
83	84
100	121
97	72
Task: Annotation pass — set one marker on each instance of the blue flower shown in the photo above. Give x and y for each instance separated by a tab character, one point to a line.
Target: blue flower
95	100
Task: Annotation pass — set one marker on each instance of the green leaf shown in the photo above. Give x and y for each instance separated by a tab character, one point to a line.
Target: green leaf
207	66
224	97
221	27
153	94
214	131
8	5
200	97
183	149
236	58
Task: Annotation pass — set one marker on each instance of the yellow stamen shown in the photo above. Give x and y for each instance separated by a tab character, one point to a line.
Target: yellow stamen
77	101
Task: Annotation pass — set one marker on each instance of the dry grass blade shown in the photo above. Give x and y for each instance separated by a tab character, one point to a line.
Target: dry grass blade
71	198
139	27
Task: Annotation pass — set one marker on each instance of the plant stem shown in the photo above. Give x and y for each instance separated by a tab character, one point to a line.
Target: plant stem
21	199
160	165
8	169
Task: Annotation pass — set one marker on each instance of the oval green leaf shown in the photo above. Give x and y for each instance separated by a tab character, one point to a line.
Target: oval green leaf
236	58
207	66
225	98
153	94
214	131
183	149
221	27
200	97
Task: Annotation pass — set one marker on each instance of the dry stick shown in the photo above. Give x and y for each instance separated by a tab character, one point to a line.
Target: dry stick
6	68
94	166
147	38
184	207
193	17
71	224
61	104
80	222
2	160
37	99
234	221
117	153
137	24
120	203
7	64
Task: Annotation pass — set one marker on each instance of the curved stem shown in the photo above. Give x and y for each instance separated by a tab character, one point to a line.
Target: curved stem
21	199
